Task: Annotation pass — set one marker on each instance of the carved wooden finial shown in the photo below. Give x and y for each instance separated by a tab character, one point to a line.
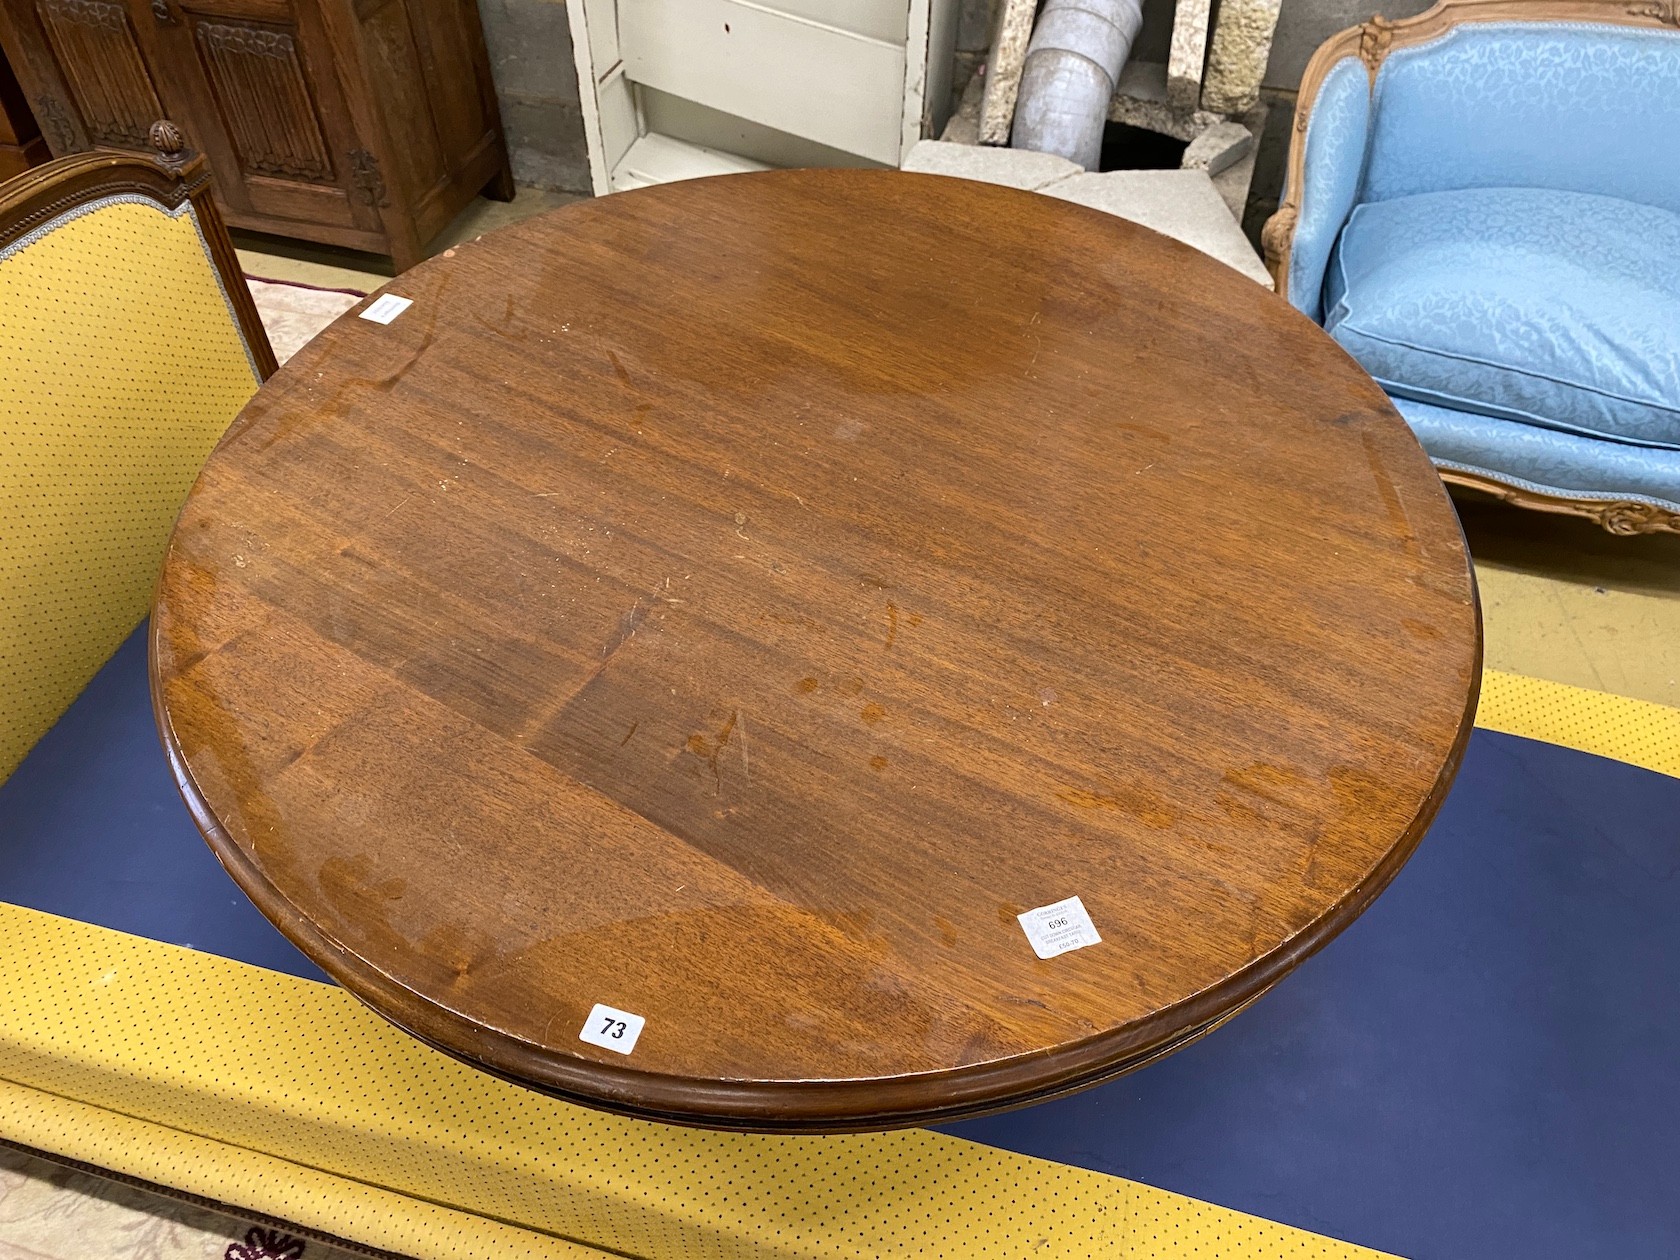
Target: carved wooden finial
170	144
1374	39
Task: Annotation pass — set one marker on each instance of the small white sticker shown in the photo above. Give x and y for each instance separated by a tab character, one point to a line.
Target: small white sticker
386	308
1056	929
613	1029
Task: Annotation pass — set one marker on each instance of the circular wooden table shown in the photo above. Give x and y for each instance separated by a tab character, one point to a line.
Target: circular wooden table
663	665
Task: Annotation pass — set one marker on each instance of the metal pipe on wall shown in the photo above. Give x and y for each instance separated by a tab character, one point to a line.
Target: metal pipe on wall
1073	63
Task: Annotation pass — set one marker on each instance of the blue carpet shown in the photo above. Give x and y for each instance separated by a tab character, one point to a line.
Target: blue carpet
1486	1064
92	828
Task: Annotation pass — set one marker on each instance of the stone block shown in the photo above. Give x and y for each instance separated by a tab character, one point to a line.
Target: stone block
1140	100
1221	145
1185	205
1187	54
963	126
1181	204
1003	69
1015	168
1233	184
1241	43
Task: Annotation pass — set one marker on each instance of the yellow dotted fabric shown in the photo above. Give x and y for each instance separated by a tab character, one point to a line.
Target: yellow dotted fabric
287	1096
1635	731
121	364
315	1200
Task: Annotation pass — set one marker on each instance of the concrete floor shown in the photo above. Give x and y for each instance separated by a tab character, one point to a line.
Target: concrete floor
1561	599
279	258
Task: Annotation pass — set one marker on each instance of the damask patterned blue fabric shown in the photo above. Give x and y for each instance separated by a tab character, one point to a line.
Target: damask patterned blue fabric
1560	309
1565	105
1335	161
1557	315
1544	459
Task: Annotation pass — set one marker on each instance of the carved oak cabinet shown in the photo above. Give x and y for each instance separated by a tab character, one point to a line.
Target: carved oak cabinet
362	123
21	146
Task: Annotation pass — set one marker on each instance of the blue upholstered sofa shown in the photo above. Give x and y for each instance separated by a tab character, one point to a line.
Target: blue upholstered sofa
1483	207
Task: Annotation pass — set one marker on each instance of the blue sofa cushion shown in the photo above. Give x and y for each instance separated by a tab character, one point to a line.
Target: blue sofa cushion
1547	460
1560	309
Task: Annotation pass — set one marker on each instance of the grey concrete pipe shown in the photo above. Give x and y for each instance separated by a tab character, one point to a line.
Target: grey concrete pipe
1072	65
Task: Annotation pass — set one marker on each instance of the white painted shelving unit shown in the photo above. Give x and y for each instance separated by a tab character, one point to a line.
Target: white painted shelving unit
674	89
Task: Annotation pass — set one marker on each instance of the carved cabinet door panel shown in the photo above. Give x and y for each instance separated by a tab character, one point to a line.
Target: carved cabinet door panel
82	67
368	124
259	93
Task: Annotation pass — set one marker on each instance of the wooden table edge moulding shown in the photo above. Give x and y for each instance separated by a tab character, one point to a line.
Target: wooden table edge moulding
729	616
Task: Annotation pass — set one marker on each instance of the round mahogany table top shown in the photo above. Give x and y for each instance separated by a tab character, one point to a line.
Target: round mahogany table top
732	604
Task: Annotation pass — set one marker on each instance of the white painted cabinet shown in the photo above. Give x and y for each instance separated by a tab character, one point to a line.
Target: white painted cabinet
673	89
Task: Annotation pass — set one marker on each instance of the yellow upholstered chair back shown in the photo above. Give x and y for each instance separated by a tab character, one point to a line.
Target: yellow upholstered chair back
128	343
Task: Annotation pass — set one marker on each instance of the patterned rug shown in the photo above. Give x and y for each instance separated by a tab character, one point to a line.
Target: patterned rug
293	313
48	1212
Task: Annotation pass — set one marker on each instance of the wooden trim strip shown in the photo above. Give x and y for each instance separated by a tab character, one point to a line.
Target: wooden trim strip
1624	517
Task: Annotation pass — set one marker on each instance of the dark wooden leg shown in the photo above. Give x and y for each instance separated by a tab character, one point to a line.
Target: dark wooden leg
406	250
500	187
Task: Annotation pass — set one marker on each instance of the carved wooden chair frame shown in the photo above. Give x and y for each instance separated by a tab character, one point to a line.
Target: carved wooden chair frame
1371	43
170	177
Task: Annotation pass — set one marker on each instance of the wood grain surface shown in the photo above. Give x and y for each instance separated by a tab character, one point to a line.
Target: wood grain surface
735	602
